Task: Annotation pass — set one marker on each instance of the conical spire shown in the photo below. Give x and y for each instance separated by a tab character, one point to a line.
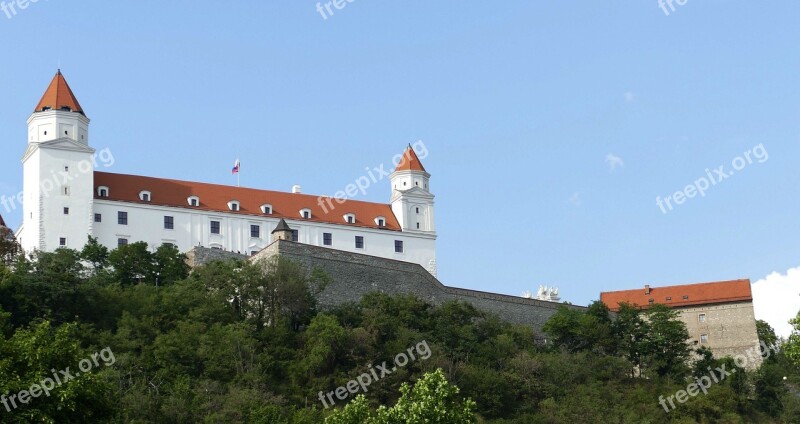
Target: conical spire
59	96
282	226
410	161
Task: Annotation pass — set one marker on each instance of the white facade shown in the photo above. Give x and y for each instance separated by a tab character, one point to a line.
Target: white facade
61	209
192	228
58	180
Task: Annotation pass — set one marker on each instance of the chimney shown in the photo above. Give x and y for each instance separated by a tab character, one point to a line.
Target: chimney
647	289
296	189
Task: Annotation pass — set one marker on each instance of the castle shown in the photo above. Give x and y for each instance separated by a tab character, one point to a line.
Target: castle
66	200
364	246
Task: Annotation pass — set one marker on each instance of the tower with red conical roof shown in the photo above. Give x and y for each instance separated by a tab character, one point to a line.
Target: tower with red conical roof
412	201
58	173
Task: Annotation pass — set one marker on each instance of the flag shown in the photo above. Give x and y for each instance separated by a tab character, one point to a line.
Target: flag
236	167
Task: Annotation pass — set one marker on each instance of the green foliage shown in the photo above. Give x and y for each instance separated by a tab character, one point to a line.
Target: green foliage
432	400
237	342
95	254
34	355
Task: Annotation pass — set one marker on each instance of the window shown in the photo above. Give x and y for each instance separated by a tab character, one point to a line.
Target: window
651	301
255	231
701	317
417	210
122	218
66	211
350	218
685	297
305	213
193	201
144	196
233	205
327	239
380	221
266	209
66	191
214	227
704	338
62	241
122	242
418	225
98	217
295	235
102	191
398	246
169	222
66	169
669	298
359	242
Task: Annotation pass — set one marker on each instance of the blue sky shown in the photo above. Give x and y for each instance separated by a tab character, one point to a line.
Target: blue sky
519	104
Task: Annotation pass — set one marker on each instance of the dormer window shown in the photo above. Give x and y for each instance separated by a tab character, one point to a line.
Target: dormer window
102	191
350	218
193	201
233	205
144	196
380	221
266	209
305	213
66	108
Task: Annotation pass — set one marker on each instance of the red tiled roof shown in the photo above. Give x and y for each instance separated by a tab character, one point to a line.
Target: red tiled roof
686	295
410	161
215	198
2	223
58	95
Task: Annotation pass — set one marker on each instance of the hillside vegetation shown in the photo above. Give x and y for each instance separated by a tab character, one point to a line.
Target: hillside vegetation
234	342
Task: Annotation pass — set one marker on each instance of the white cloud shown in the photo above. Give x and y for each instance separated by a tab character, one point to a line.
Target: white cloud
776	300
630	96
614	162
575	199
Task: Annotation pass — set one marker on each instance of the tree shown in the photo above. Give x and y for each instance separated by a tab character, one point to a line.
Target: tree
665	344
169	264
132	263
630	330
766	334
9	248
96	254
432	400
791	347
31	357
269	293
579	331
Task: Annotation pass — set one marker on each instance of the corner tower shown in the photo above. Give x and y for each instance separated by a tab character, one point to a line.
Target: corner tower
58	173
412	201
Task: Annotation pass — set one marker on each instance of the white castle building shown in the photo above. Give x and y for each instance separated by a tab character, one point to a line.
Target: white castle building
66	200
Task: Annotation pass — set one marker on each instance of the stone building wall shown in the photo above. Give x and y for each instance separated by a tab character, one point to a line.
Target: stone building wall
730	327
354	275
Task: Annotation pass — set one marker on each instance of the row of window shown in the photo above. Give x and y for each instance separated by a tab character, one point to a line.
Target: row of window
327	239
255	231
650	301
